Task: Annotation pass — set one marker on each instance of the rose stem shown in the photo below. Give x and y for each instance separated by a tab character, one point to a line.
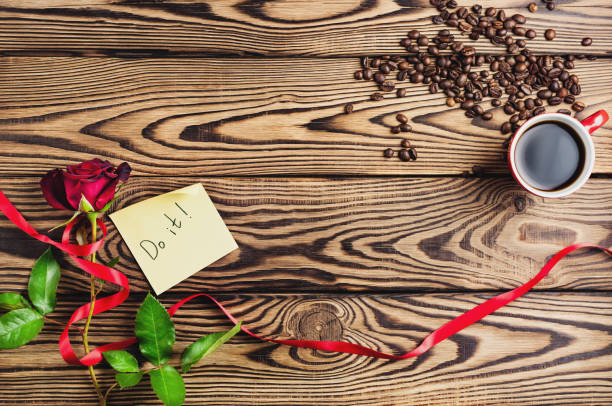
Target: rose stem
92	294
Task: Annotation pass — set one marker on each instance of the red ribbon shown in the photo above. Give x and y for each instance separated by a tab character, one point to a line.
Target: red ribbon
112	275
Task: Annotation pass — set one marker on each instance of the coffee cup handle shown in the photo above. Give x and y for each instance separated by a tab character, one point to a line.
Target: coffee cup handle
594	121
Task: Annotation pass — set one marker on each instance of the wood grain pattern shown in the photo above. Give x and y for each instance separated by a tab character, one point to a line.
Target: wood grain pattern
544	348
313	235
281	28
244	117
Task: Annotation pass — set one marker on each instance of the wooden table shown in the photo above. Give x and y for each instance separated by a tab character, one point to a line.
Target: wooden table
336	242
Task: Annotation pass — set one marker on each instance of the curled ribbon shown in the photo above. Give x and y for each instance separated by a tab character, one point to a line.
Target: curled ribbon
114	276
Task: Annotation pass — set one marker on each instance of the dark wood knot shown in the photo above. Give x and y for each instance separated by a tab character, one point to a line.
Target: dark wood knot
318	322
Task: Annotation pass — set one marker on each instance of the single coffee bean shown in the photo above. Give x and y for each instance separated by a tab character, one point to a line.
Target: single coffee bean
395	129
468	104
450	102
377	96
587	41
405	128
437	19
403	155
578	106
521	43
433	88
423	41
539	110
538	102
514	119
491	12
569	99
402	75
414	34
470	114
348	109
506	128
545	94
388	153
519	18
555	101
368	74
496	102
508	109
401	118
358	75
533	7
379	77
387	86
509	23
520	67
562	92
529	104
564	111
401	92
487	116
550	34
550	6
530	34
576	89
478	110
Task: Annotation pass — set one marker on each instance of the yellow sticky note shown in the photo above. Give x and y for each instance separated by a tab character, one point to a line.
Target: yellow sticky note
174	235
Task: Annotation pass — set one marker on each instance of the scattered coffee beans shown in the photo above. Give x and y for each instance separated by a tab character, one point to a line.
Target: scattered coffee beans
442	62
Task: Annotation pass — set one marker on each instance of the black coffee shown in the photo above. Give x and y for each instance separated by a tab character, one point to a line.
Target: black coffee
549	155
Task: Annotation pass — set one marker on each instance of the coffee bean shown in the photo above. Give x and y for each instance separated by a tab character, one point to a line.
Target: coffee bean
433	88
521	43
358	75
495	92
562	92
412	153
401	92
379	77
550	34
530	34
519	18
414	34
576	89
550	6
578	106
468	104
470	114
487	116
401	118
437	19
491	11
377	96
402	75
514	119
569	99
405	128
555	101
539	110
405	143
496	102
388	153
508	109
506	128
348	109
538	102
520	67
587	41
564	111
529	104
395	129
533	7
478	110
423	41
450	102
368	74
404	155
545	94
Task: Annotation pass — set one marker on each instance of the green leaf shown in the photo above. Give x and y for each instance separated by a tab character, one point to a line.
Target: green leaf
204	346
121	361
43	282
128	379
169	385
113	262
13	301
19	327
155	331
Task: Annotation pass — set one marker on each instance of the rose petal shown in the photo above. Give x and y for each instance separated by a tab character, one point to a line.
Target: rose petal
106	196
52	186
123	171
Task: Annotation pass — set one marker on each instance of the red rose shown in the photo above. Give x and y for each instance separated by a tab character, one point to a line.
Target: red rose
95	179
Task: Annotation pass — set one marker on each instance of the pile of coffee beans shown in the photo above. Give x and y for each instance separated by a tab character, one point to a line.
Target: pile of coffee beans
519	81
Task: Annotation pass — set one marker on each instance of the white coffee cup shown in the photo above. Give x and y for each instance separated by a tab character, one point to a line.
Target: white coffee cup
582	129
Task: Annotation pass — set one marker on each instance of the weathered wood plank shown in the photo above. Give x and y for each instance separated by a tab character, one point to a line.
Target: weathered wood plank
348	27
244	116
313	235
545	348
